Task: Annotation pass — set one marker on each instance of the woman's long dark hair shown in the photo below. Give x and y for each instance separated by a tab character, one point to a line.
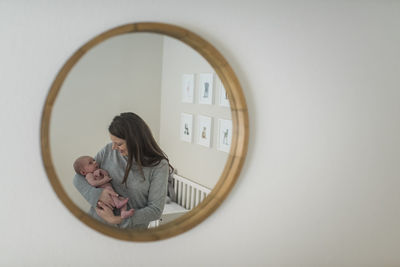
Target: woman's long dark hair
139	140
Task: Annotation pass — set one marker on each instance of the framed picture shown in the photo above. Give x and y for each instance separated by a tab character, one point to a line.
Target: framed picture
187	88
204	131
224	135
186	129
223	96
205	88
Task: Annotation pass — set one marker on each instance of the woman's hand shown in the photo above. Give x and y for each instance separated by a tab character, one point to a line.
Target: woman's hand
107	214
106	197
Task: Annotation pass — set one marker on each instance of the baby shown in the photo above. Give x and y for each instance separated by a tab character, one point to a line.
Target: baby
97	177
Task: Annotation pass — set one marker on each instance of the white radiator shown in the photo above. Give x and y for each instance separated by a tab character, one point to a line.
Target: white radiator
188	195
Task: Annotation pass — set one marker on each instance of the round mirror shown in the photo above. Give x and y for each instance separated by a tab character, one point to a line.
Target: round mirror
184	90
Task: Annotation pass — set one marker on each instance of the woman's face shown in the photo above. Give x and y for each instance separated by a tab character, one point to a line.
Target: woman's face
119	144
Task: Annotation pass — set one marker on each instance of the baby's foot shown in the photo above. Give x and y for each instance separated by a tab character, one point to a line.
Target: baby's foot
120	201
127	213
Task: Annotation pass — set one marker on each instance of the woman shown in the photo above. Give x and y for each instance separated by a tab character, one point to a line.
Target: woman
139	169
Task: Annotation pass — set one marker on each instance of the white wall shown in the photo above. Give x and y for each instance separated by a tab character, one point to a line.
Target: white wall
320	183
179	59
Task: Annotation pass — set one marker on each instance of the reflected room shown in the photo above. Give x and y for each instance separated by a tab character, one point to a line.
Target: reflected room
167	83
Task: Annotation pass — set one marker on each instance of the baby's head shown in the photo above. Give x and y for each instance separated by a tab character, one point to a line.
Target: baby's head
85	164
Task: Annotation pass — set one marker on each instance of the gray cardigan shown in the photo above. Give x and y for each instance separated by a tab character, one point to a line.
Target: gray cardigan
146	195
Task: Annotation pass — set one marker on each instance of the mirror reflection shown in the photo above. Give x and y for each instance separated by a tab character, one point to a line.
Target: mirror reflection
176	93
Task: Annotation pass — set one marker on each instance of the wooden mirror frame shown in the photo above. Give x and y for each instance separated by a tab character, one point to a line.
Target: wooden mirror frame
238	150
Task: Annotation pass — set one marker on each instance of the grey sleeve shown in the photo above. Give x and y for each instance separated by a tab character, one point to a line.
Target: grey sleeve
156	199
100	156
90	193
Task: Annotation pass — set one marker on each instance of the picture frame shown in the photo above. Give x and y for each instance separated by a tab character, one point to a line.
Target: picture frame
187	88
204	132
186	127
224	135
205	85
223	96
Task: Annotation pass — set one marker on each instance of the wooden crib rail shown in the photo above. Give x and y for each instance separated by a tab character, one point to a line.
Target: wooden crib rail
188	194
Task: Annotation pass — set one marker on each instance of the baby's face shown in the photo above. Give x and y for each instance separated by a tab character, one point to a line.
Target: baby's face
90	165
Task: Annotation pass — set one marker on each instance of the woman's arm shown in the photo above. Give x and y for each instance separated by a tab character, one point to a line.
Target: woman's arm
156	199
93	194
90	193
155	204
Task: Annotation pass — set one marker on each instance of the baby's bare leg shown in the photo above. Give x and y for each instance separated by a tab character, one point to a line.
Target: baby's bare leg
120	201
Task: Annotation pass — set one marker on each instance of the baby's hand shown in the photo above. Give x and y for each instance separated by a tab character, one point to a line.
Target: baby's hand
107	178
98	173
103	172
